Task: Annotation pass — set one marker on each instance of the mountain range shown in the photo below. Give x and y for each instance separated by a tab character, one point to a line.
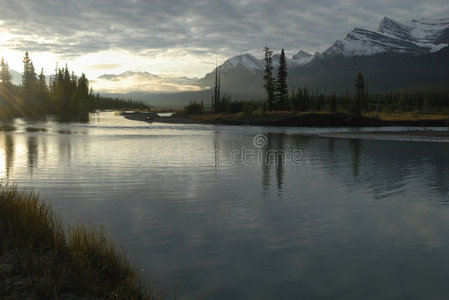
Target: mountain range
398	56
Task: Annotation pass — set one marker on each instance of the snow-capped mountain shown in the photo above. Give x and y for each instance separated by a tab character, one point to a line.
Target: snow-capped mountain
397	56
416	37
247	61
255	65
301	55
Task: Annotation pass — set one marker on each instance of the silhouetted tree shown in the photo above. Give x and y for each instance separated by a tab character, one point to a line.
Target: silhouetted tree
42	83
282	89
29	84
5	74
334	102
268	78
359	86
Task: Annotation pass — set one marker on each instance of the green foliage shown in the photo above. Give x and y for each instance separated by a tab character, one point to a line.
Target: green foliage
66	95
301	101
281	88
269	83
5	74
236	106
194	108
359	86
249	107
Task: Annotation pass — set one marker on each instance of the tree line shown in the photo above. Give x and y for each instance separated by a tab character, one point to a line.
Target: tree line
64	94
303	99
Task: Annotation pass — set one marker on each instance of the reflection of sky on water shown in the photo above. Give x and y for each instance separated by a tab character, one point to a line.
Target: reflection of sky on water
357	218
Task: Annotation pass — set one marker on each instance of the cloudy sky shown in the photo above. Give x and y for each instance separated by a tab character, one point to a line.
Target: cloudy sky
174	38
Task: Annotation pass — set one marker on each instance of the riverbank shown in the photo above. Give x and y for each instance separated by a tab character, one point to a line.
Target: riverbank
295	119
39	259
323	120
409	136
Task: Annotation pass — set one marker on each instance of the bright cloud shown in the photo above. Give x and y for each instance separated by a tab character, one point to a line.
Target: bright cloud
181	37
144	82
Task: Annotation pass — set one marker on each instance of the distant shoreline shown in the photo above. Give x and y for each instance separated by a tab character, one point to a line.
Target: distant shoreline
317	120
292	120
405	136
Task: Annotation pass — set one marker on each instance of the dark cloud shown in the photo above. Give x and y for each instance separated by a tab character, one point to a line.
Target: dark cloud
75	27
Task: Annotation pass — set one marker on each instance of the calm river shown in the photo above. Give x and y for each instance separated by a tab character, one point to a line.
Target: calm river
224	212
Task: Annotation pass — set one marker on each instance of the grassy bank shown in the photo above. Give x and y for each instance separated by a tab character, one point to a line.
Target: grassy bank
313	119
45	261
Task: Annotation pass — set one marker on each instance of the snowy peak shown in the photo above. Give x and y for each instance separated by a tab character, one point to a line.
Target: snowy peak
247	61
361	42
435	31
422	30
255	65
415	37
391	27
301	55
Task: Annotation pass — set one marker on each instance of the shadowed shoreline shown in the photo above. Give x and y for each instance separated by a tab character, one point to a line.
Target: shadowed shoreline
315	120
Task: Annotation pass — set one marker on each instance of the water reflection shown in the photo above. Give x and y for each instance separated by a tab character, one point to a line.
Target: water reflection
82	117
65	149
9	154
32	147
217	153
214	230
274	156
356	146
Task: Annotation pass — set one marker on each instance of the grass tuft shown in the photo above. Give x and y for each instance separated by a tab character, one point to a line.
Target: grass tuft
80	261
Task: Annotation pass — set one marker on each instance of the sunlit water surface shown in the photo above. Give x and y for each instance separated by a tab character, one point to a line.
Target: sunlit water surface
202	211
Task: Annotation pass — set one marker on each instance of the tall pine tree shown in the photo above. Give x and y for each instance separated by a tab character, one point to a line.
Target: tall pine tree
359	86
268	78
5	74
29	82
282	89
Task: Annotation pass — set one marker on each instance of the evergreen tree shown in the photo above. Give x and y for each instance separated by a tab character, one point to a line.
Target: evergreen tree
282	89
83	93
268	78
334	102
5	74
42	83
29	74
43	93
359	86
29	82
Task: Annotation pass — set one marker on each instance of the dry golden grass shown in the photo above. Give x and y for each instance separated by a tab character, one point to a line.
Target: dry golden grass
394	116
80	260
407	116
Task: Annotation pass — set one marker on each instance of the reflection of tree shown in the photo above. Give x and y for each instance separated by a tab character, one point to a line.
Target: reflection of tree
216	151
331	146
9	154
356	146
273	155
65	148
79	117
265	175
32	147
281	160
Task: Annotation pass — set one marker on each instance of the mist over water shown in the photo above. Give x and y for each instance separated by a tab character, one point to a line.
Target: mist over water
349	219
